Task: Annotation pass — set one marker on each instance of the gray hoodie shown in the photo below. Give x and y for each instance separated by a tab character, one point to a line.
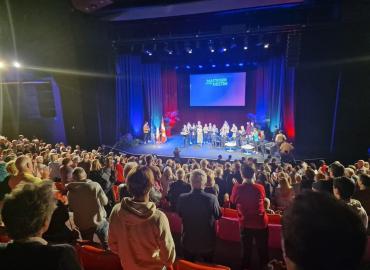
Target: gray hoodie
357	207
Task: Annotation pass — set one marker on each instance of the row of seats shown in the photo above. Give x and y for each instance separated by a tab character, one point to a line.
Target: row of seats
94	258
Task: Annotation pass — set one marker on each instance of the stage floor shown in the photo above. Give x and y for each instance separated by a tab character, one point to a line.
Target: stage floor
191	151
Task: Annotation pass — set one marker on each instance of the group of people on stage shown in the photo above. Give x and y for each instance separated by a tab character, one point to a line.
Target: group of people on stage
210	134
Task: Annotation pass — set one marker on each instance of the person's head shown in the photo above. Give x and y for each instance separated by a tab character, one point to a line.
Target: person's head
210	178
198	179
360	164
139	182
267	203
149	160
284	182
128	167
219	157
336	169
218	172
180	174
349	172
24	164
27	210
321	233
11	168
247	173
66	161
364	181
310	173
156	172
203	163
96	165
343	188
79	174
167	172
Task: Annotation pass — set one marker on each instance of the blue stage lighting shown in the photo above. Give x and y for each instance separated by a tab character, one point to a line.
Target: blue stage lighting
224	49
213	65
227	65
245	48
200	66
187	67
241	64
176	67
266	46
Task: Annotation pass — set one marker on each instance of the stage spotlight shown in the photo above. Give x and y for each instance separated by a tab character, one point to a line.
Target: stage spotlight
187	67
245	48
17	64
213	65
241	64
266	46
189	50
227	65
2	65
148	52
223	49
245	44
200	66
211	46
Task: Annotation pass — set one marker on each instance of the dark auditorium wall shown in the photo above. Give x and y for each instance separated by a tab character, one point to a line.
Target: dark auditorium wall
53	34
331	58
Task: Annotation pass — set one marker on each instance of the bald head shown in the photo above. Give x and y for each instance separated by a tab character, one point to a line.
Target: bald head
24	164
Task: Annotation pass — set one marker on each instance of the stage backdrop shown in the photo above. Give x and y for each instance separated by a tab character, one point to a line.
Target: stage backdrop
146	92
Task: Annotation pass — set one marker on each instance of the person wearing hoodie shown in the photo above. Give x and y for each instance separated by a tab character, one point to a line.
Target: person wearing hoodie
138	232
343	189
87	200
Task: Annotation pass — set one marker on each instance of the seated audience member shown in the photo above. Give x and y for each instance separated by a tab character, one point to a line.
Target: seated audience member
177	188
25	169
267	205
211	186
284	193
343	189
138	232
363	195
336	169
87	200
66	170
199	211
321	233
26	213
249	199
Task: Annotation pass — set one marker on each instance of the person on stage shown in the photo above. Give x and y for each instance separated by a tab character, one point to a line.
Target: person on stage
280	138
146	130
234	130
241	136
185	134
214	135
209	132
193	131
248	129
199	133
205	133
255	138
223	134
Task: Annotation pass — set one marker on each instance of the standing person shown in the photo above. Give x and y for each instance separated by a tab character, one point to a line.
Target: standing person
177	188
146	131
363	194
85	163
199	133
185	134
234	130
27	213
87	200
249	199
205	132
199	211
139	233
66	170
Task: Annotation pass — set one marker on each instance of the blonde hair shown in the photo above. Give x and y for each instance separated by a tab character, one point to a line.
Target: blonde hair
96	165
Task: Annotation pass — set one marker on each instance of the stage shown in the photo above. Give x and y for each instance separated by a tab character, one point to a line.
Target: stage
192	151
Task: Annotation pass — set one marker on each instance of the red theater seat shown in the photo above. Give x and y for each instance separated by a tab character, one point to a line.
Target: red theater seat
229	213
186	265
93	258
175	221
274	219
228	229
274	236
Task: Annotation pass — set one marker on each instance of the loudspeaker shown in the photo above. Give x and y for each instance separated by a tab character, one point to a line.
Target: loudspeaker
46	100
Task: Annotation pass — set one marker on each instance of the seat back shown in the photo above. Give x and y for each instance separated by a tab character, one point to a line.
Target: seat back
94	258
229	213
186	265
175	222
228	229
274	240
274	218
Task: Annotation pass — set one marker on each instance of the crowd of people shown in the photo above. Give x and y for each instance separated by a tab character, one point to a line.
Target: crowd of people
52	195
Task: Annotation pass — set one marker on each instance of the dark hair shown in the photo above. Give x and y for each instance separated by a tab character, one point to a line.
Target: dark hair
140	180
247	171
310	174
148	159
322	233
346	187
365	179
27	208
337	169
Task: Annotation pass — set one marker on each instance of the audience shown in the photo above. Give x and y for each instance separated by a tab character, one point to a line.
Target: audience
138	232
199	211
30	162
87	200
26	214
249	198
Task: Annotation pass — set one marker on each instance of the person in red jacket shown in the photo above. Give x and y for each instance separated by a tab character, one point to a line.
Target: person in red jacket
249	200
